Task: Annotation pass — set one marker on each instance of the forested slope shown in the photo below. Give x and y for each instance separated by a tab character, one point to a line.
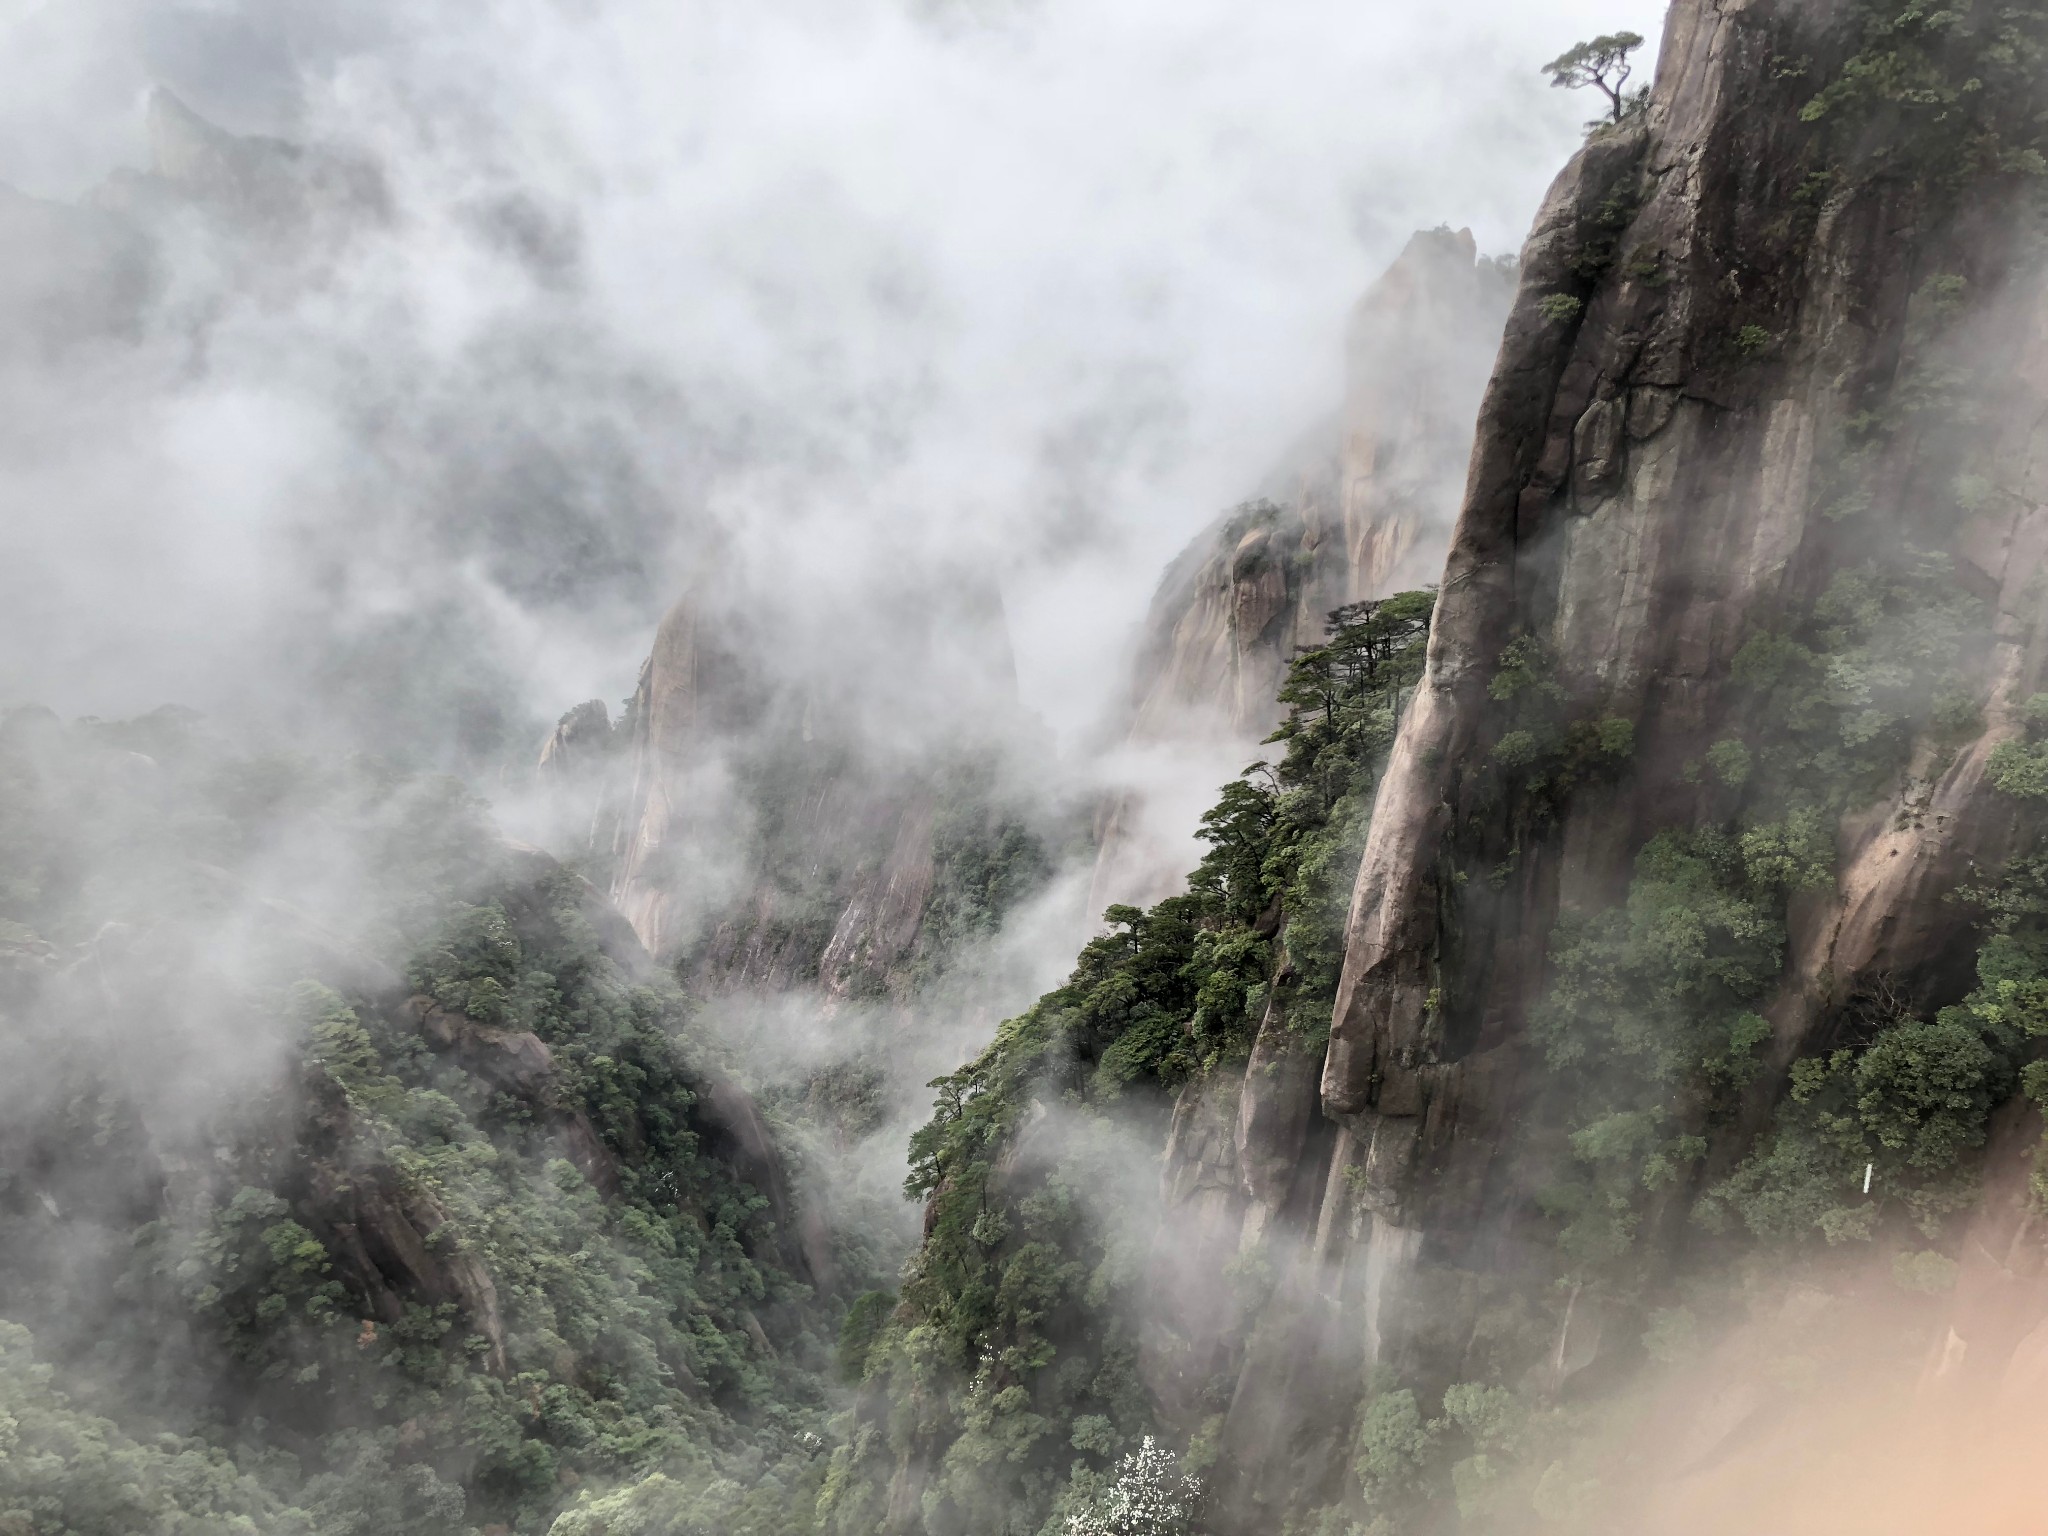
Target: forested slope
1590	1082
354	1244
1677	1081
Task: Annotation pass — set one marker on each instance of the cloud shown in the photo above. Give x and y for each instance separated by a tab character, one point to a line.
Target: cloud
814	295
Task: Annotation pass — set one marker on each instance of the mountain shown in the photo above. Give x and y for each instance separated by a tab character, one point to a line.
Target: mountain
1364	510
1635	989
759	833
360	1169
1589	1080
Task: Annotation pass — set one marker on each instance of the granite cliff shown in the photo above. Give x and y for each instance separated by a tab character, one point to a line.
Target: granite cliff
760	835
1363	509
1593	1073
1682	1007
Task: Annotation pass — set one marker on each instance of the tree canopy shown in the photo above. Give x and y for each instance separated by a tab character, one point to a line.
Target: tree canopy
1602	62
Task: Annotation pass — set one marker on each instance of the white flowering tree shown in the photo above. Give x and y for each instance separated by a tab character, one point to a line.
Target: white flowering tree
1150	1497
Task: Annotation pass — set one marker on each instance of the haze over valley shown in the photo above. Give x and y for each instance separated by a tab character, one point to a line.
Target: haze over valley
950	767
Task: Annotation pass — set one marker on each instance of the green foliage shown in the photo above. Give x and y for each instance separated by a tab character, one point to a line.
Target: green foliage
1560	307
68	1472
1486	1454
1549	749
2019	767
863	1324
748	1500
1941	91
414	1284
1730	761
1834	703
629	1324
1902	1111
1602	62
1395	1446
1663	985
1525	671
987	857
1797	853
1651	1017
1654	1014
1880	1134
1284	841
1149	1496
1008	1356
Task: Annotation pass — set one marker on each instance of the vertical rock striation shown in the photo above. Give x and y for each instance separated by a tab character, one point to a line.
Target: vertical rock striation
1716	301
1644	499
1709	306
773	832
1364	509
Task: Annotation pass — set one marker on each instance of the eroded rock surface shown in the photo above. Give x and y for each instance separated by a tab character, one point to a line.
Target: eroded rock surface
1656	479
1364	509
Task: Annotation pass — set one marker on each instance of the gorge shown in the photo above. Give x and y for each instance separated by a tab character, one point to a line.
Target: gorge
1585	1074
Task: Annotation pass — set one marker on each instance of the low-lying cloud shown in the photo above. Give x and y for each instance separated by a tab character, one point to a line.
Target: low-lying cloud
825	300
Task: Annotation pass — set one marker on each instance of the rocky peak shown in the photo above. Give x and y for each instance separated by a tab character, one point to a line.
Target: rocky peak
1731	720
1363	510
252	182
1666	468
781	826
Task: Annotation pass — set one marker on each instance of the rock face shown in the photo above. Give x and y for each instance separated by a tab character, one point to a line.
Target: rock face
673	727
1645	497
709	740
1364	511
1700	335
761	835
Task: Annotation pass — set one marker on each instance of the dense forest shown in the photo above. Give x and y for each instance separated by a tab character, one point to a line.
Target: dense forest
1592	1078
450	1245
401	1250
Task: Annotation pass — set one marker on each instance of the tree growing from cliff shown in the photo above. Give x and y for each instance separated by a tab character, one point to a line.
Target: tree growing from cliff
1603	62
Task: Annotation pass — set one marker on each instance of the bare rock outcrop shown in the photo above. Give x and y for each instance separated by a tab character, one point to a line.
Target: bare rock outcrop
1364	509
1650	488
672	721
880	922
769	833
1697	338
389	1242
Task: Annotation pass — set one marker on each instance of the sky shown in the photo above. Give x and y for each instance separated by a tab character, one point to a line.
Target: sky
814	300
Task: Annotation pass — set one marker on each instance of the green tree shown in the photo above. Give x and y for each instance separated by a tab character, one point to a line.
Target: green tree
1602	62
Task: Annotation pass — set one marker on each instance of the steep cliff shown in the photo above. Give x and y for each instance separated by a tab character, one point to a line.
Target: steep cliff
1764	367
1364	510
761	834
1691	975
1741	607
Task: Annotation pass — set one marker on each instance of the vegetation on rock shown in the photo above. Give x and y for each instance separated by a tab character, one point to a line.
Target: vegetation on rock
1008	1368
461	1243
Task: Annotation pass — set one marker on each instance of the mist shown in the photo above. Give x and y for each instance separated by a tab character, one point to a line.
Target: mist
807	297
374	385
